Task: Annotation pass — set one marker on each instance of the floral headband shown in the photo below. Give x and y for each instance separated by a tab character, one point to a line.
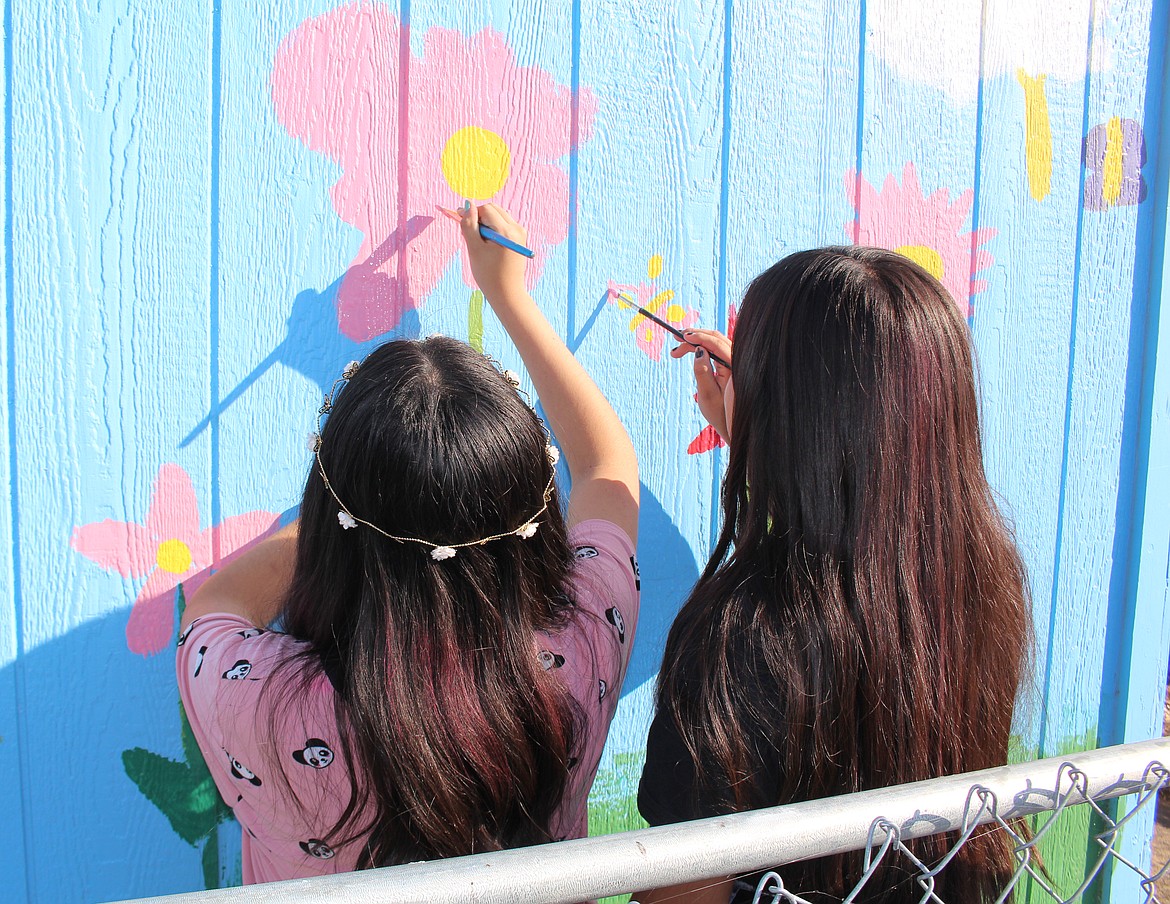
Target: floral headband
439	551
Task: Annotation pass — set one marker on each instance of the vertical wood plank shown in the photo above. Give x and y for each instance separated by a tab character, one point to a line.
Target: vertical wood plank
1107	382
650	190
108	249
1022	328
788	161
12	786
283	250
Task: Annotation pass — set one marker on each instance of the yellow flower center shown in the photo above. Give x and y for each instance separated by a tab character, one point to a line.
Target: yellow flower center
654	266
476	163
675	313
173	556
926	258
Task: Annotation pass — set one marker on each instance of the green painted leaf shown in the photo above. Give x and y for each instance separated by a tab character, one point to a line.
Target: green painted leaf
190	802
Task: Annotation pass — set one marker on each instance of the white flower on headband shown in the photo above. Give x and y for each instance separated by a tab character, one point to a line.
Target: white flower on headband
345	519
554	454
350	369
313	441
528	531
512	377
439	553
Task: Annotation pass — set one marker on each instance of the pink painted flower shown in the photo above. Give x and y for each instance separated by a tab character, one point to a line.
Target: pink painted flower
648	335
170	548
928	230
477	126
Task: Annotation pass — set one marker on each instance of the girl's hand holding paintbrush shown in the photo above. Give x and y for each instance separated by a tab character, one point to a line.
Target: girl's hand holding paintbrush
714	390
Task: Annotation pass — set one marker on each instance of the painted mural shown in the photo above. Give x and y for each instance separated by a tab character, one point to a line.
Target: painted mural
209	212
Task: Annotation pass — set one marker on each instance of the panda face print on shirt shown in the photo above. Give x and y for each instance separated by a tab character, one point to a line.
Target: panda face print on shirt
602	687
637	573
614	617
239	671
250	632
317	848
239	770
315	753
585	552
550	660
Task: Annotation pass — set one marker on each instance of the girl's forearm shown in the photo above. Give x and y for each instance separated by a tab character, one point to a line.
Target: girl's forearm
592	439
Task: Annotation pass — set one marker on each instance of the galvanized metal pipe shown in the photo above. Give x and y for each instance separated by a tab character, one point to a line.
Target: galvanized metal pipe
587	868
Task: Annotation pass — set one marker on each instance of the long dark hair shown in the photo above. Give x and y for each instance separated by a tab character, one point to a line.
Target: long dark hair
459	738
864	619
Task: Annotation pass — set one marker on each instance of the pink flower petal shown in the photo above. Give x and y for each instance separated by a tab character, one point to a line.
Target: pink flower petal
174	509
117	546
151	626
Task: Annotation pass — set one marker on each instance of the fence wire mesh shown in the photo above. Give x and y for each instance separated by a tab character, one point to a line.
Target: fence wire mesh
1032	879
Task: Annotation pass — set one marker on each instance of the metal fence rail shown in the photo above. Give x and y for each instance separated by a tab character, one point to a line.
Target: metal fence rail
746	843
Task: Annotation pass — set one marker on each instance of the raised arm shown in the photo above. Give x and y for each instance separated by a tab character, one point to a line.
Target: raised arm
596	447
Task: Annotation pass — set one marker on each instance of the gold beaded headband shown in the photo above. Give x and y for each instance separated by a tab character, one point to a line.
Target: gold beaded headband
439	551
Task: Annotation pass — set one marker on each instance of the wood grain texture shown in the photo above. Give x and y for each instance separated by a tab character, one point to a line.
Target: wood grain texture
12	785
109	247
793	133
650	185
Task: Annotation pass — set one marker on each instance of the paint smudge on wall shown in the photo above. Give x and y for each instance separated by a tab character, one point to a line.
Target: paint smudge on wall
167	548
926	229
463	120
1038	135
1114	153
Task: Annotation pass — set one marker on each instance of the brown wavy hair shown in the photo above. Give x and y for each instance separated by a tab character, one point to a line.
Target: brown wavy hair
864	619
461	741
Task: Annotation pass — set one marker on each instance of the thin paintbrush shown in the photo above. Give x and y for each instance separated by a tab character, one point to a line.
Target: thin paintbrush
673	330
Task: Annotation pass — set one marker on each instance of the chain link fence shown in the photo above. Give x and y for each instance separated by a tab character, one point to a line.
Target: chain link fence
1031	881
1098	805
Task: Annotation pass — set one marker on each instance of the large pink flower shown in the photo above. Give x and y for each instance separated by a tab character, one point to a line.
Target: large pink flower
170	548
928	230
477	126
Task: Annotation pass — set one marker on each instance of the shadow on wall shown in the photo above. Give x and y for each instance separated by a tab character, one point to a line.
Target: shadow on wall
313	344
117	800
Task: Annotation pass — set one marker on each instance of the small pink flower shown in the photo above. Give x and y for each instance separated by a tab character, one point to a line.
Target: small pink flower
928	230
170	548
648	335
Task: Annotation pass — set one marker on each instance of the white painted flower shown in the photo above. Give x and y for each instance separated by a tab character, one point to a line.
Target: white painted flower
512	377
345	519
313	441
554	454
439	553
528	531
350	369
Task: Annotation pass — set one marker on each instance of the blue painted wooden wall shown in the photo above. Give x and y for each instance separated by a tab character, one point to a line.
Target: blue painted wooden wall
210	208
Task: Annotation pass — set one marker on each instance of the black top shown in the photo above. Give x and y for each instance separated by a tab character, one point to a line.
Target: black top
670	792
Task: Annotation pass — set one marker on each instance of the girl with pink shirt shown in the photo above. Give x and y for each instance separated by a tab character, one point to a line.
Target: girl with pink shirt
451	647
